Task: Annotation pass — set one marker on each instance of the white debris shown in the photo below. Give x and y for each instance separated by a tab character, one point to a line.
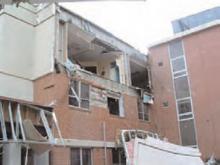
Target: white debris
211	161
142	148
157	152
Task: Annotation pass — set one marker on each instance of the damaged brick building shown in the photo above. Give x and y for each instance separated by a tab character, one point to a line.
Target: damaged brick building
84	84
68	87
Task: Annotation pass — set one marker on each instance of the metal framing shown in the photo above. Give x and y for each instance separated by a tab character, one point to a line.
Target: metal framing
78	97
47	127
2	121
15	121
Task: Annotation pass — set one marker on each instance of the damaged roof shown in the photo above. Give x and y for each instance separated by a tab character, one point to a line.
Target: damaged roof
101	34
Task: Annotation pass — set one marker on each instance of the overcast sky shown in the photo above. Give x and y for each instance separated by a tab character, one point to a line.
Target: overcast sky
139	23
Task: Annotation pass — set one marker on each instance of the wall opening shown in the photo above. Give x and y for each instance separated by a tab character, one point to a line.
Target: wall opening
139	76
113	106
92	55
92	69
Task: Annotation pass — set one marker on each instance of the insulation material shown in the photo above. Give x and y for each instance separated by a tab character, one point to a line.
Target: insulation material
32	134
98	97
156	152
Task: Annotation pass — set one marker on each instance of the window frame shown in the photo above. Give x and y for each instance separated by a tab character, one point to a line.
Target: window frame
120	105
179	74
81	154
78	96
143	111
118	152
181	83
183	131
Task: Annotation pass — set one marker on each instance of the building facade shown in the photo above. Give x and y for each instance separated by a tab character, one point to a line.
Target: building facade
185	85
94	83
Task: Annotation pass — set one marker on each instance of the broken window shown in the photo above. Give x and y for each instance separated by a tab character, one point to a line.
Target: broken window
115	106
79	94
143	111
118	157
81	156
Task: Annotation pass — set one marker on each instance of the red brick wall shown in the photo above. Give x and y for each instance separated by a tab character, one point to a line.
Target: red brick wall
60	156
165	117
202	56
85	125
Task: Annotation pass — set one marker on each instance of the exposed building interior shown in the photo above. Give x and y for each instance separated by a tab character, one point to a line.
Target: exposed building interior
92	55
139	75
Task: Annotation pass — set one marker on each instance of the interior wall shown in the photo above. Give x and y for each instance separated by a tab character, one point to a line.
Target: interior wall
103	67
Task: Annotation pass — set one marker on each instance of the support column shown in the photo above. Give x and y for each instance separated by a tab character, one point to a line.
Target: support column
12	154
127	70
42	159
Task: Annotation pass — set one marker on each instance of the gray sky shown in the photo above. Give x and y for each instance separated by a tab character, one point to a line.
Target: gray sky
139	23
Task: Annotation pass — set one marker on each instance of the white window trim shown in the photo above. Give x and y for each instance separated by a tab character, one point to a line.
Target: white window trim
120	104
190	96
142	112
78	97
81	154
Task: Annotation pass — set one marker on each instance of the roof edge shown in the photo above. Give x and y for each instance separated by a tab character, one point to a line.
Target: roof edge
186	33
